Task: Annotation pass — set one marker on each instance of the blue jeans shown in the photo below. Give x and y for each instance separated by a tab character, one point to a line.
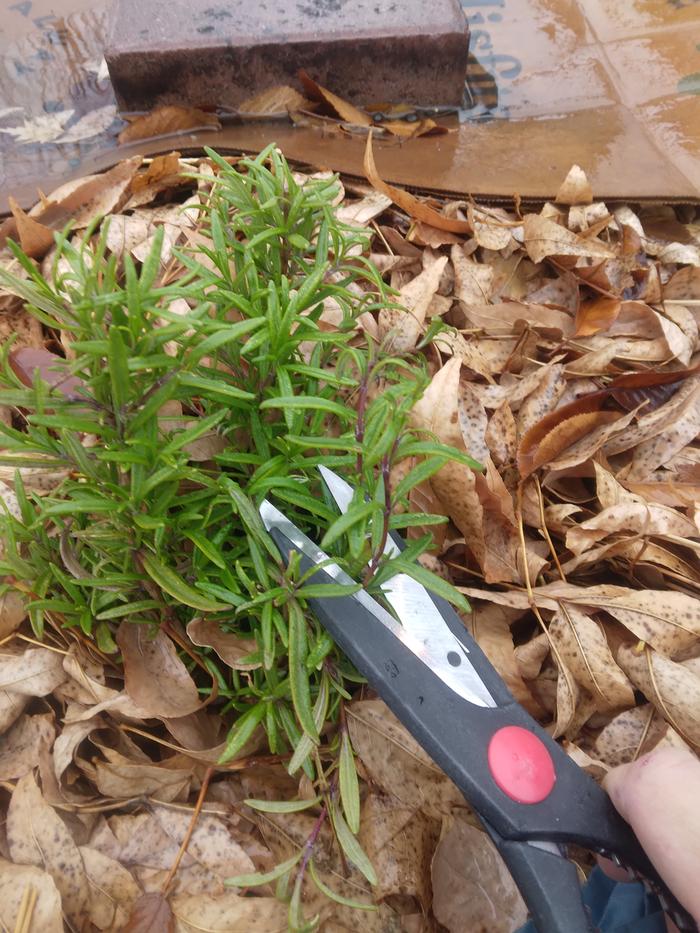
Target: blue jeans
618	908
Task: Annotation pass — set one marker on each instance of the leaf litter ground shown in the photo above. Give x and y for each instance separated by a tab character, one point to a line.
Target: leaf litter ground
561	348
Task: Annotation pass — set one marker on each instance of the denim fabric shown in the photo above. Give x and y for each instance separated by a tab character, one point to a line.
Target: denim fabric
618	908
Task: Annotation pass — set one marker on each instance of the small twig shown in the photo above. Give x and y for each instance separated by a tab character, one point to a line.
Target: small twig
545	531
188	835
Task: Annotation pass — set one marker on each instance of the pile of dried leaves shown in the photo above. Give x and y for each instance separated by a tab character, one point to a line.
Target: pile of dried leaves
570	371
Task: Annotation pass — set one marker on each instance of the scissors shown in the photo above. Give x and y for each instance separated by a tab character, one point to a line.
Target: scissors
530	796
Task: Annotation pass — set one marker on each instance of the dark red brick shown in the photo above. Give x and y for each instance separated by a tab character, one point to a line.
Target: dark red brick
219	52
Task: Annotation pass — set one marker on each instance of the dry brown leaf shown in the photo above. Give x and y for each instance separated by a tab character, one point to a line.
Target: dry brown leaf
232	649
151	914
473	423
575	189
659	449
394	761
628	735
23	745
542	399
399	841
472	885
581	644
672	688
341	108
408	202
120	777
167	121
596	315
361	213
113	890
36	835
34	672
34	238
401	327
274	100
500	318
154	676
47	916
12	610
545	237
489	625
228	913
473	280
683	285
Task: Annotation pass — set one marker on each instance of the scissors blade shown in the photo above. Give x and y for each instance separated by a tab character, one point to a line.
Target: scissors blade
441	650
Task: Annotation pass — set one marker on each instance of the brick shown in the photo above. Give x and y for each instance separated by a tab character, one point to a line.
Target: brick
220	52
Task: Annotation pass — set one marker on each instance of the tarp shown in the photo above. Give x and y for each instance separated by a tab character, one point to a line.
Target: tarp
613	85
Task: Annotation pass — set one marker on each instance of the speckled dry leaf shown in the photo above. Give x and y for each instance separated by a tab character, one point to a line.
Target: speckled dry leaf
395	761
567	698
656	421
581	644
154	676
47	916
472	423
68	740
113	890
24	743
545	237
492	227
628	735
658	450
499	318
596	769
473	280
531	655
680	345
543	399
228	913
501	436
33	672
589	445
672	688
231	648
489	625
11	705
399	841
151	913
402	326
211	844
472	888
683	285
12	612
36	835
575	189
633	517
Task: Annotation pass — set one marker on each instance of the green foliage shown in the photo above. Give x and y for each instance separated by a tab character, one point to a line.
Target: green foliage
169	452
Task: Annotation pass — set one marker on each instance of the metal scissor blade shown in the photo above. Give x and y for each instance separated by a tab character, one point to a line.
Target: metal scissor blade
419	615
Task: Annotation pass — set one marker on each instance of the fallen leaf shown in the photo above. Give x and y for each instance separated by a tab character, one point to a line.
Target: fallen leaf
228	913
34	238
672	688
470	880
399	841
659	449
360	213
150	914
402	326
581	644
36	835
67	742
542	399
396	763
597	315
23	745
113	890
339	107
154	676
168	120
575	189
545	237
473	280
683	285
628	735
34	672
120	777
274	100
15	880
232	649
408	202
12	608
46	128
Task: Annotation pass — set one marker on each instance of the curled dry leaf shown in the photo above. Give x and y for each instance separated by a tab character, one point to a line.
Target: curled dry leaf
154	676
409	202
339	107
274	100
597	315
472	888
113	890
401	327
34	672
545	237
46	915
231	648
34	238
575	189
36	835
28	739
672	688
